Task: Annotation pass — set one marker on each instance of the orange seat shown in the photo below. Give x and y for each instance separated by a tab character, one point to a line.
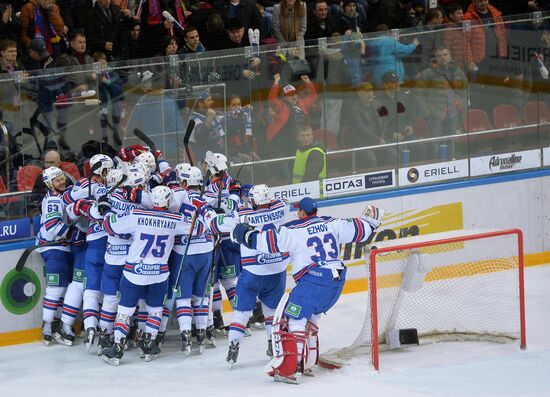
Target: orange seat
71	169
421	127
506	116
478	121
535	112
4	190
87	168
26	176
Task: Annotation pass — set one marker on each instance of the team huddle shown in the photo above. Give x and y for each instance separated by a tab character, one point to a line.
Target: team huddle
139	241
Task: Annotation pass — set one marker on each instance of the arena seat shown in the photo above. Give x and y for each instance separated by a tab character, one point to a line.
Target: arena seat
535	112
506	116
26	176
477	120
70	169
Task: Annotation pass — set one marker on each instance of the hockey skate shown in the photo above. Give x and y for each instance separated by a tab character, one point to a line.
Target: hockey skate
201	339
105	341
90	338
293	379
46	333
269	350
210	337
232	354
160	339
150	348
63	334
186	342
219	327
112	355
257	319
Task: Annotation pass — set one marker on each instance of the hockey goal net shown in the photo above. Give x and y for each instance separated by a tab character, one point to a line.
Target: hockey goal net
460	285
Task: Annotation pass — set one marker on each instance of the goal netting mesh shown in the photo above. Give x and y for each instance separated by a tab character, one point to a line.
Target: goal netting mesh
460	285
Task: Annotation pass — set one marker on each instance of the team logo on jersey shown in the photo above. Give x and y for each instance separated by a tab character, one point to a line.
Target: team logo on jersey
52	279
293	310
78	275
178	292
228	272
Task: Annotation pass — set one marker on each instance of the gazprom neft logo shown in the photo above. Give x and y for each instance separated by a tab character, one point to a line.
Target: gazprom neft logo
504	163
293	310
52	279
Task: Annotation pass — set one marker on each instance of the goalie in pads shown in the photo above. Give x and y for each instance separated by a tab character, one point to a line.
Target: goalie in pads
313	244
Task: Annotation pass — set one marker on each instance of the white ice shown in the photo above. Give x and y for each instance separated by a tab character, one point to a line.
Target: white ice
450	369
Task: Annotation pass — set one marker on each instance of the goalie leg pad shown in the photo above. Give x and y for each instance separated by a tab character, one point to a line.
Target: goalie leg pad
312	331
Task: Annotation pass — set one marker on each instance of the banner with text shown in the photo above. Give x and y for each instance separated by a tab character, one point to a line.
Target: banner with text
296	192
505	162
433	172
359	183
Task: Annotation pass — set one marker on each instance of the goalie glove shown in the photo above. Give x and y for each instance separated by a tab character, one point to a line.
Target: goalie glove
373	216
244	233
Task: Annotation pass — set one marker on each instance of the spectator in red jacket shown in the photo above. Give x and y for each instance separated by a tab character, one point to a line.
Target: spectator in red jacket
290	111
487	34
456	38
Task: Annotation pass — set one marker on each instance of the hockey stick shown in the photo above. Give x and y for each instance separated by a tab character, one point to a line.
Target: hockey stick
186	137
93	169
149	142
117	185
25	255
189	236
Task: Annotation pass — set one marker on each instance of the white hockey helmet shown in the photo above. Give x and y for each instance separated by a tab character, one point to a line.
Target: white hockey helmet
147	160
113	176
161	196
180	170
260	195
106	164
137	176
193	176
216	162
49	174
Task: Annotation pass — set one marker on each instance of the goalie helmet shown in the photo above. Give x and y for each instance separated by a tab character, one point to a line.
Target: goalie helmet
147	160
216	162
106	164
113	176
193	176
49	174
161	196
260	195
137	176
180	170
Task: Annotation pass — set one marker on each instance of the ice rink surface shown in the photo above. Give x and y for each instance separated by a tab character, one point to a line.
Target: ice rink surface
466	369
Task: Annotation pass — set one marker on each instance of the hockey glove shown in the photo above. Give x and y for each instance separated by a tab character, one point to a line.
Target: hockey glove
82	207
133	194
171	180
201	206
373	216
103	204
129	153
235	187
245	234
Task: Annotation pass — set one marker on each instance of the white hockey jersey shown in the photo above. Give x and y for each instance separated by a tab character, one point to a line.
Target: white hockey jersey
80	191
153	233
202	240
263	219
314	241
54	224
118	246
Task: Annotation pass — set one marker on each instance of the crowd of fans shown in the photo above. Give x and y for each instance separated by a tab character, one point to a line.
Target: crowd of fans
374	87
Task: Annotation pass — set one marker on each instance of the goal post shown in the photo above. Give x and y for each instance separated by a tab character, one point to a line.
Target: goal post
453	286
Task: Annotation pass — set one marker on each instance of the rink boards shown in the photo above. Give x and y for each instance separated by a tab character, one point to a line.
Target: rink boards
499	202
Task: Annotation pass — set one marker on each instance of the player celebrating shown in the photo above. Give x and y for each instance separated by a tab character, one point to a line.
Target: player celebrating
96	239
263	275
146	269
53	227
116	252
313	245
191	302
228	260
